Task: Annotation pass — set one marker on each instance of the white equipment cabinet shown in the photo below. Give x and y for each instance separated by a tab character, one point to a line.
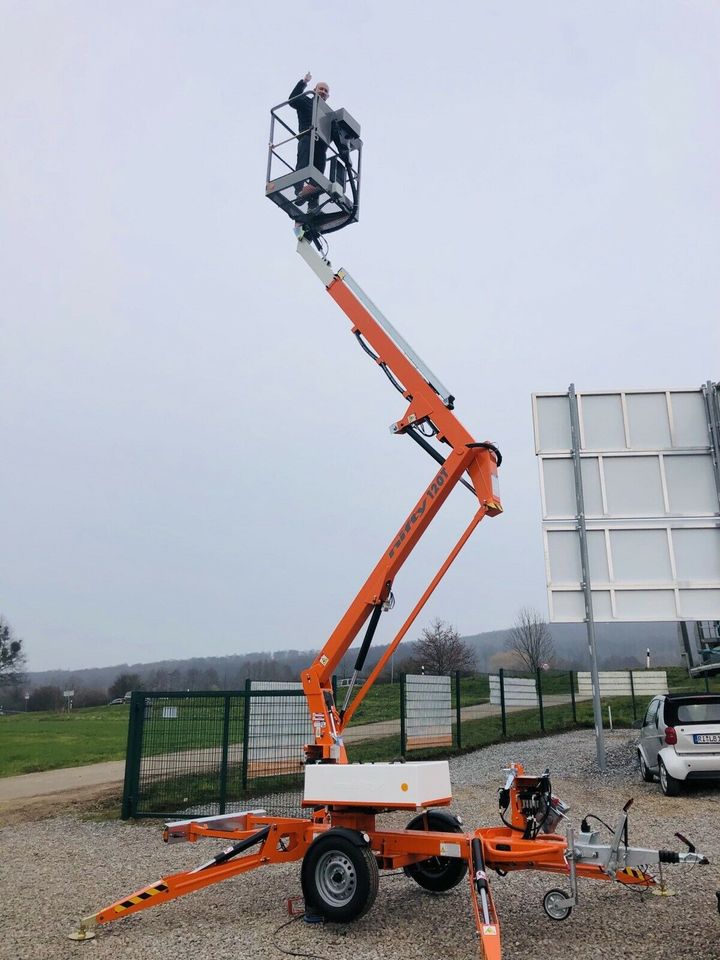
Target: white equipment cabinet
407	786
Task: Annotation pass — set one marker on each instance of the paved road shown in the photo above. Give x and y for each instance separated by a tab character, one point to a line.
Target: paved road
111	773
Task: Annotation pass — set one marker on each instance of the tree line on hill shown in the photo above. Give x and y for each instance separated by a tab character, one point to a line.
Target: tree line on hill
439	649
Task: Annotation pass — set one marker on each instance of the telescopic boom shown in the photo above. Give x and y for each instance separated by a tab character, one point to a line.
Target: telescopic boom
429	414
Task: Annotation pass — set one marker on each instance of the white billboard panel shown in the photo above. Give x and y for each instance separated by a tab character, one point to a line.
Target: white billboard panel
651	505
650	572
678	484
622	420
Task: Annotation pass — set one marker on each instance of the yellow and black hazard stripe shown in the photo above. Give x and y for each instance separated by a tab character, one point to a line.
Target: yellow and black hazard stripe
146	894
634	872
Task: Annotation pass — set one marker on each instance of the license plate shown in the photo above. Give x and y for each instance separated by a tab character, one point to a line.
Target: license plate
706	738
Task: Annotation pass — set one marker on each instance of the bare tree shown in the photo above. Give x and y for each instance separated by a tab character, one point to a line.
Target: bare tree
441	650
12	657
46	698
124	684
530	640
89	697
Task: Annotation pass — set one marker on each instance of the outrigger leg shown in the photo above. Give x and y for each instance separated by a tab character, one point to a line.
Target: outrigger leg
281	840
486	920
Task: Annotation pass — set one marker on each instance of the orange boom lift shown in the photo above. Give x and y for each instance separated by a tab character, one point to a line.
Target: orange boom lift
340	844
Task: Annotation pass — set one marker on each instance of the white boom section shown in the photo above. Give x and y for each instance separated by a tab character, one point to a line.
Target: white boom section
325	272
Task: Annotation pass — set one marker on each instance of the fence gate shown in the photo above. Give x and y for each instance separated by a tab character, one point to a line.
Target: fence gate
194	754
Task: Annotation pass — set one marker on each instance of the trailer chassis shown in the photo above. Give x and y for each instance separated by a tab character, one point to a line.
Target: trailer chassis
343	849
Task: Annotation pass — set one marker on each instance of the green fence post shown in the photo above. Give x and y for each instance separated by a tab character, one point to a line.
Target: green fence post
403	736
572	696
501	675
224	754
133	756
538	680
632	694
458	714
246	732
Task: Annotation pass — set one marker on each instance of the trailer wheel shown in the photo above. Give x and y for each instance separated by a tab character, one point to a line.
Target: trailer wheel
555	905
436	874
339	877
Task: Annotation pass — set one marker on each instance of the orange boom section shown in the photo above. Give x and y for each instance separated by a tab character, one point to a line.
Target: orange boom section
430	413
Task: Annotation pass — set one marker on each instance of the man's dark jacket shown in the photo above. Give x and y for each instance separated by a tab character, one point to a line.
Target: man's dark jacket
303	104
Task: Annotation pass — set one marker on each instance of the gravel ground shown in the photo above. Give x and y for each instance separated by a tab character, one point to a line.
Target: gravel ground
58	870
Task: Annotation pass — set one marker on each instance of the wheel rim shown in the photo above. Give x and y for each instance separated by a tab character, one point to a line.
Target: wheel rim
434	866
663	776
555	905
335	878
643	766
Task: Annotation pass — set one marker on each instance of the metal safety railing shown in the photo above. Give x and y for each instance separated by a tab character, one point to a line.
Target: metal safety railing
313	172
294	135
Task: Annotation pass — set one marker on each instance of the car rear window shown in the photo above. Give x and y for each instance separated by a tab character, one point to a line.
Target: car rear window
702	711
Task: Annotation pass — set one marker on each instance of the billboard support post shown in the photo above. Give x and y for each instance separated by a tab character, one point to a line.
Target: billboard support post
586	584
712	409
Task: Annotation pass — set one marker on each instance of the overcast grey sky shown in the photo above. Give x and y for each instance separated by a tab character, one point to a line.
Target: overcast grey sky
195	454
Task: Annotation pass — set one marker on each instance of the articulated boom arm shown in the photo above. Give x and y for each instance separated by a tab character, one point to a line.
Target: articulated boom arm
430	408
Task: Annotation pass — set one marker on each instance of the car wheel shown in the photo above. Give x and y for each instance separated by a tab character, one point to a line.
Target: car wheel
669	785
645	772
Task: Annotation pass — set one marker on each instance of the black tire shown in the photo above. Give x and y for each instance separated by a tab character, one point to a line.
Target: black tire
339	878
554	906
436	874
669	785
645	771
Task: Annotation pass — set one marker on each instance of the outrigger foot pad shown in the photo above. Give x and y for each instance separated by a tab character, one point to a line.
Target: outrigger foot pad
84	931
662	891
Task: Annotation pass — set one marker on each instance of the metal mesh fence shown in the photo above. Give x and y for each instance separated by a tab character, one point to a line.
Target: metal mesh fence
199	754
428	712
474	711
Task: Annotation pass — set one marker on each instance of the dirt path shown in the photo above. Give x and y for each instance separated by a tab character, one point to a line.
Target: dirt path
58	781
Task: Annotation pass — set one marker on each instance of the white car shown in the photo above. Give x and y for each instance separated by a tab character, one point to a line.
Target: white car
680	740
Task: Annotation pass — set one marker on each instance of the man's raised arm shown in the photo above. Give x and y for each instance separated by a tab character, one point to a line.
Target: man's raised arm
300	86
